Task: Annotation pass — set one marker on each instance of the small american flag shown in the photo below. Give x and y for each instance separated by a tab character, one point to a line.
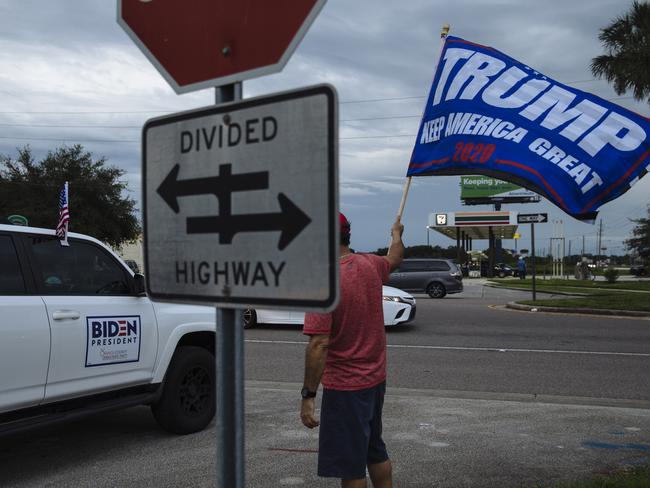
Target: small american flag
64	215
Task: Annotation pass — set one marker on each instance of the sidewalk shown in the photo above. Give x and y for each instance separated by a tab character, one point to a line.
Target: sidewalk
455	442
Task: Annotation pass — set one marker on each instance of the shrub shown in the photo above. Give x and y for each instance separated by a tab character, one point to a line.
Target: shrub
611	274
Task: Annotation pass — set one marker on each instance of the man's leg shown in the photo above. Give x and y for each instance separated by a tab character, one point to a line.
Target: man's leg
381	474
378	463
360	483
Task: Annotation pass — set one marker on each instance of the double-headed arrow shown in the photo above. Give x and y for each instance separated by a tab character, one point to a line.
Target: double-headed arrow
221	186
290	221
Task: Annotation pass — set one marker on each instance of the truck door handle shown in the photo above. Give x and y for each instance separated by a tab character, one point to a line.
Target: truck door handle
65	314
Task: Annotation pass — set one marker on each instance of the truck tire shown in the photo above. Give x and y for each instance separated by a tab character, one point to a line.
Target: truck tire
188	399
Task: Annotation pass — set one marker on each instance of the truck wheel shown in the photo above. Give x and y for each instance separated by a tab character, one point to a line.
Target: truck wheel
436	290
188	399
250	318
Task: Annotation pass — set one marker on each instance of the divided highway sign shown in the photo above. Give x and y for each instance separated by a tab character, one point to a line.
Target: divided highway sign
241	202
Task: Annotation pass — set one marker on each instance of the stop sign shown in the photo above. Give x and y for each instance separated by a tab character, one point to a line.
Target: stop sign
203	43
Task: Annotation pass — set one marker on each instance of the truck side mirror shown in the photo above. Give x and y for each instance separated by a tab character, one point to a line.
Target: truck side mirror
138	284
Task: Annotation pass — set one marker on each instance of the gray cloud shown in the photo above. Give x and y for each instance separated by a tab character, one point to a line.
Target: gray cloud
71	56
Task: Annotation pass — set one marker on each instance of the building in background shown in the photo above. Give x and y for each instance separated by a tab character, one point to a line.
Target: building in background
132	252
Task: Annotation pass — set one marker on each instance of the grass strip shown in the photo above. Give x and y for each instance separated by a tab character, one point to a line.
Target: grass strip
559	289
619	301
586	285
629	478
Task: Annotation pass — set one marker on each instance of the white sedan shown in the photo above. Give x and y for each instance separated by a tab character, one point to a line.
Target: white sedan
399	308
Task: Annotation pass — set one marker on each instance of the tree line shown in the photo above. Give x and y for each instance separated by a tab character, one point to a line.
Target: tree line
100	205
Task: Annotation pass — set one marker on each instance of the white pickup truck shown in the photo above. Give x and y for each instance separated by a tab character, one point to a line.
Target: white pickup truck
78	335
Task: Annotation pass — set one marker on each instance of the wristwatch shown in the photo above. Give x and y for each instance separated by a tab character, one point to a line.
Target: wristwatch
307	393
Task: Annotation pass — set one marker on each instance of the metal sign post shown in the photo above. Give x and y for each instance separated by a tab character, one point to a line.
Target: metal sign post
229	362
240	207
532	219
532	258
257	221
230	397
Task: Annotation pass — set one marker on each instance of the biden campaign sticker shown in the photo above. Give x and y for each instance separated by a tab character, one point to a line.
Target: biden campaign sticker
113	340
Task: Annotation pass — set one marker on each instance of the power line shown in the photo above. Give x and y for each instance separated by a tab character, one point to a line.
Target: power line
132	141
368	100
128	141
378	137
88	112
390	99
383	118
63	139
59	126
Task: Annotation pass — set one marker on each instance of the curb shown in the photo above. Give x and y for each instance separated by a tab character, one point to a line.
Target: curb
590	311
565	293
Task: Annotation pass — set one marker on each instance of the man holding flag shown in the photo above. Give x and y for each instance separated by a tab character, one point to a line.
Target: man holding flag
347	353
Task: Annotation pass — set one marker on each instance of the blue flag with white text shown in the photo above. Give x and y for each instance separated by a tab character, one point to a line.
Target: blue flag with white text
487	113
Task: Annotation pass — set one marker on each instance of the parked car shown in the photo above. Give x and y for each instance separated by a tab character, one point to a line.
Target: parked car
79	336
637	270
399	308
503	270
436	277
133	265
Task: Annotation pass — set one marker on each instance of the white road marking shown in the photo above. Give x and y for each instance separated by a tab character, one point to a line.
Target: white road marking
479	349
292	481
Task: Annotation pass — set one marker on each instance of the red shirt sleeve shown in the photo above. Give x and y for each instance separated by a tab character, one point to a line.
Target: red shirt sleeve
317	323
383	268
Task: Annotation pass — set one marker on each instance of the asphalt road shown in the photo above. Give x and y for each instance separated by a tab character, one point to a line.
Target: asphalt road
470	345
478	396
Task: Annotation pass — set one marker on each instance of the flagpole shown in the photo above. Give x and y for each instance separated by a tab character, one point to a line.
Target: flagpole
444	31
64	241
405	194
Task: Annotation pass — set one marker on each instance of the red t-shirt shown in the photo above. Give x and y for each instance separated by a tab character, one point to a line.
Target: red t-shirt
356	357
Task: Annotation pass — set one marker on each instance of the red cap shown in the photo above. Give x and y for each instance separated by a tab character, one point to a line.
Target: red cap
344	223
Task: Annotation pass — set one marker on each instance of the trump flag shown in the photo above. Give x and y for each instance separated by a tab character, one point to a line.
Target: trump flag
487	113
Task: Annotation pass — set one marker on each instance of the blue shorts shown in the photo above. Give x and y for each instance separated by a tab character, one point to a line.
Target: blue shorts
350	432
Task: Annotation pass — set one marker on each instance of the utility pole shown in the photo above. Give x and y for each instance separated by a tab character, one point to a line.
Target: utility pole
600	237
583	245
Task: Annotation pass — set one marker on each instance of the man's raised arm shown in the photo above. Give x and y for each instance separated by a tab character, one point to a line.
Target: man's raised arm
396	250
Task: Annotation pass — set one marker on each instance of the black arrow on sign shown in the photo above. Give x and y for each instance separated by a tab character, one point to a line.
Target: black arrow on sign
290	221
221	186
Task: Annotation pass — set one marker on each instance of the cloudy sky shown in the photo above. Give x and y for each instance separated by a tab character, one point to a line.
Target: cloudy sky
69	74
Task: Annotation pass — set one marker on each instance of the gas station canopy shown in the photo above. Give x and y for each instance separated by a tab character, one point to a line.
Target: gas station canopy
475	225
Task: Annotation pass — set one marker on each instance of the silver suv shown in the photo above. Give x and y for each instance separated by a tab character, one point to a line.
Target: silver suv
437	277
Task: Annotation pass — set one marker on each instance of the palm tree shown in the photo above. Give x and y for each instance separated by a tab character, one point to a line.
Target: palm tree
626	63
